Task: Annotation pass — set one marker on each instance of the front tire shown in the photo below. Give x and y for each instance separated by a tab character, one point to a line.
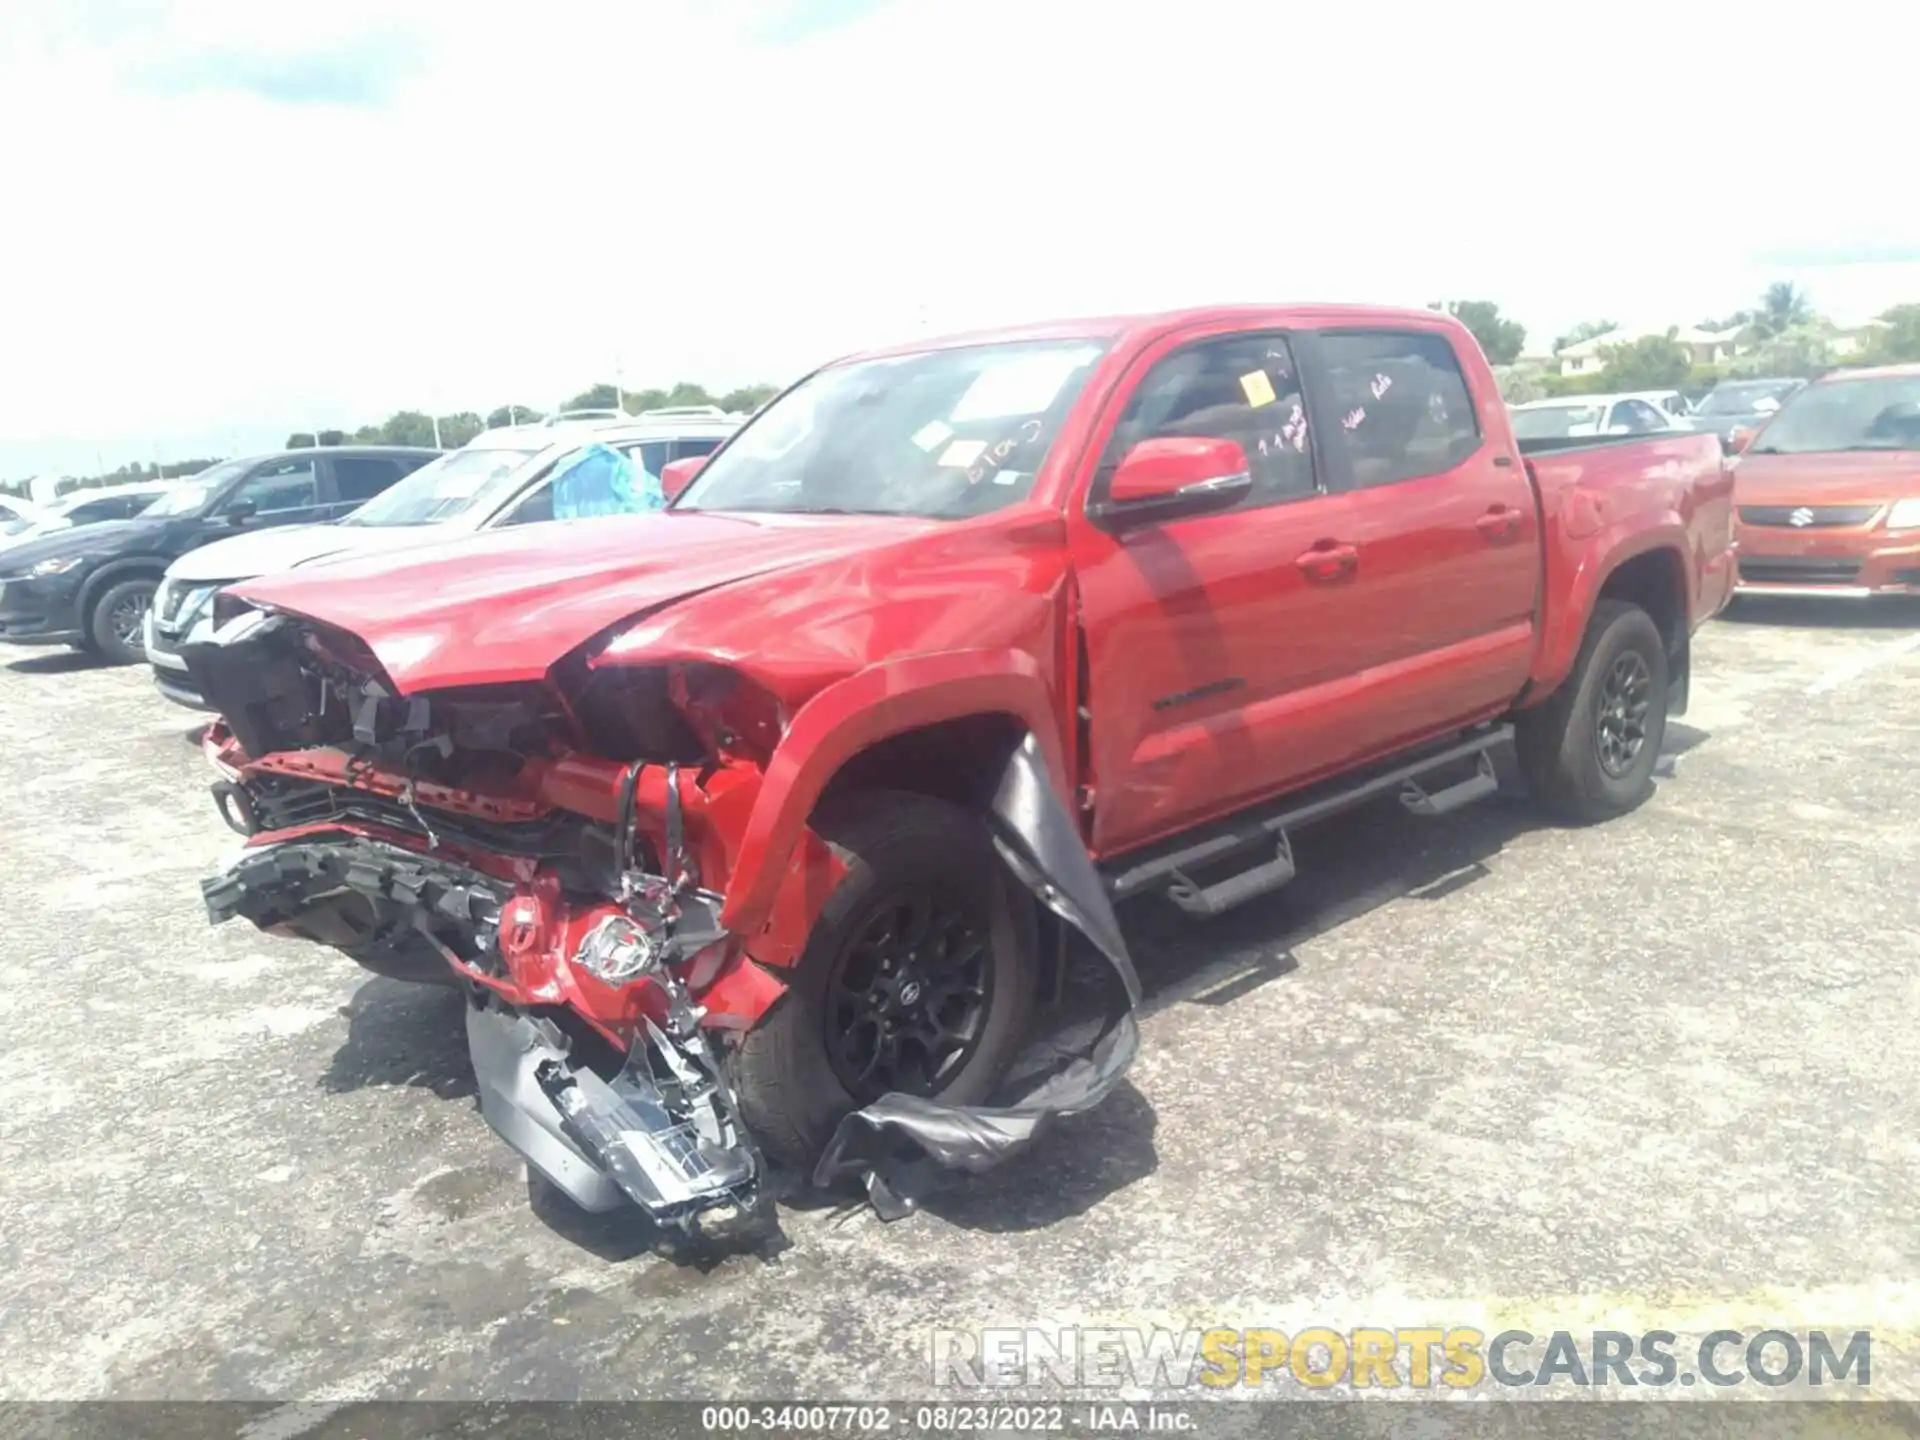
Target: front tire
114	625
1588	752
919	976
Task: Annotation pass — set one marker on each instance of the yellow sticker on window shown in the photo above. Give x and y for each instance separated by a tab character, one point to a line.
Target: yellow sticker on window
1259	389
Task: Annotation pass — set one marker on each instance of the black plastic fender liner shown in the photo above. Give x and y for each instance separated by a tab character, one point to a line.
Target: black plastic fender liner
898	1144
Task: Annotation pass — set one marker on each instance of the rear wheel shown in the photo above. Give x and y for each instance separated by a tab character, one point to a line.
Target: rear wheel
117	620
919	977
1589	751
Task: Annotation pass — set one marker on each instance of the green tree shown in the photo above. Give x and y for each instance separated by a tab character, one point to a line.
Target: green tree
1896	339
1804	350
1783	307
457	429
1502	340
1519	384
1585	330
747	398
594	397
406	427
1653	362
683	393
513	415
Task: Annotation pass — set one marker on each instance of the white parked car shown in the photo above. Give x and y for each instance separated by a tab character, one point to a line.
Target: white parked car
1573	416
501	477
81	507
16	514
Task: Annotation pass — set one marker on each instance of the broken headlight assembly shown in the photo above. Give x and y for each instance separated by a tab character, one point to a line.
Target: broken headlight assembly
621	949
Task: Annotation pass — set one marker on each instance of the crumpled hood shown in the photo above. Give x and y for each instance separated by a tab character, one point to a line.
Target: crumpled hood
266	552
1841	477
505	605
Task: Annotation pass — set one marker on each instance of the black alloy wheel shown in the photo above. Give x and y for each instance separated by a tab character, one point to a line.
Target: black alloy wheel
908	999
1620	729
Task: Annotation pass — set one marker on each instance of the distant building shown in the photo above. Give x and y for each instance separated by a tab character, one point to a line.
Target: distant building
1703	347
1847	341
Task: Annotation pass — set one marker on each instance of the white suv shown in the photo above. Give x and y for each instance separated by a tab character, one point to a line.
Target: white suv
501	477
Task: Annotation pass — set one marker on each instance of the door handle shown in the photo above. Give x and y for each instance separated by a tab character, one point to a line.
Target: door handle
1329	560
1498	523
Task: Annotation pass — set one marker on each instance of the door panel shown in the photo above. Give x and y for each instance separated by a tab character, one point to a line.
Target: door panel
1211	640
1448	577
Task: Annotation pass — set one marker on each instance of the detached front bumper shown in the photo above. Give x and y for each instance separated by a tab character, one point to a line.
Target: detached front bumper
655	1127
41	609
1849	563
677	1152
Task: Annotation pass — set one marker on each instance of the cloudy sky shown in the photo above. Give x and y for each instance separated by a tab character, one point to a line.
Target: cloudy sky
229	218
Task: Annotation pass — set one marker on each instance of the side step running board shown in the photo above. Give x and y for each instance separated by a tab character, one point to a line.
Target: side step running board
1236	889
1477	786
1267	835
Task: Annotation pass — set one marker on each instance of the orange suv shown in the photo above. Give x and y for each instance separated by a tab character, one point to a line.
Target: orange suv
1828	490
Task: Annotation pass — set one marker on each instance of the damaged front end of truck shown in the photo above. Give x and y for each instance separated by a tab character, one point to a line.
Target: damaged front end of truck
586	855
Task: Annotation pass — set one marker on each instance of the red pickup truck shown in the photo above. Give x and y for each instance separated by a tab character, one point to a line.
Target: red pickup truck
755	829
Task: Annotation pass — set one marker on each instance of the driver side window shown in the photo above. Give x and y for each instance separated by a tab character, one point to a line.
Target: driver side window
1243	388
278	485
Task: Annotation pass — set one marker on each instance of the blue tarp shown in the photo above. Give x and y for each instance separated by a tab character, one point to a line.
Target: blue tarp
601	481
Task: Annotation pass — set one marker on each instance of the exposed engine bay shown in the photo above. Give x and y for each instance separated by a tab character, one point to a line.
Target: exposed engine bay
563	852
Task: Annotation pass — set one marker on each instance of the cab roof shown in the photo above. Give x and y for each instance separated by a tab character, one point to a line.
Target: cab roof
1142	328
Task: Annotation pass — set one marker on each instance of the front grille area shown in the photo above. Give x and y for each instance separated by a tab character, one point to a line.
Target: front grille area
1779	570
1813	517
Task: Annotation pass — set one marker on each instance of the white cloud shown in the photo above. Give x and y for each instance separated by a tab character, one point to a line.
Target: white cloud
657	186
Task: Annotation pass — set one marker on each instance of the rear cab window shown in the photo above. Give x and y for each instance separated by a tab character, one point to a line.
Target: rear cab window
1401	403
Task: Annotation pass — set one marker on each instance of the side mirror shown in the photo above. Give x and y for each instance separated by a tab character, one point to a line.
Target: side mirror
241	511
1740	439
676	475
1172	476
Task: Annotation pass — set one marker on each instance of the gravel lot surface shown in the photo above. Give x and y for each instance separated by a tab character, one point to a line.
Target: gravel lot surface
1473	1071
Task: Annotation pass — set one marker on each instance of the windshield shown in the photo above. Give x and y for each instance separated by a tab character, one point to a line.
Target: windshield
942	434
440	489
1872	413
184	497
1557	422
1742	399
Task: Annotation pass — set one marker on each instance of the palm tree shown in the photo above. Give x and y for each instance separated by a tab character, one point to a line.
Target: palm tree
1781	308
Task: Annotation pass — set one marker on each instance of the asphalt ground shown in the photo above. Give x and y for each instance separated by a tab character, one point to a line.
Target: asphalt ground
1474	1071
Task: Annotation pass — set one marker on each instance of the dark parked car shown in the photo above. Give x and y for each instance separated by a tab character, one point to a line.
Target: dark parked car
1742	405
90	587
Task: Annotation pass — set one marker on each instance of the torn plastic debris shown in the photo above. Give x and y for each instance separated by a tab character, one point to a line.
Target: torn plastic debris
663	1133
1038	840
